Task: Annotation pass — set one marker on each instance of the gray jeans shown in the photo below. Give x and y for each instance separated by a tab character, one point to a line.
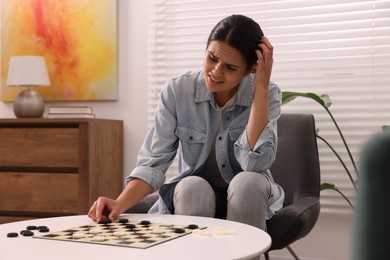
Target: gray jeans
247	198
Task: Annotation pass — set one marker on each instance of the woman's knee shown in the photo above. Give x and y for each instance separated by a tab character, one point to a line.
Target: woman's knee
248	195
194	196
250	183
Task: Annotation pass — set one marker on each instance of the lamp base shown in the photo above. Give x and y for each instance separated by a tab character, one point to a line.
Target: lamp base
28	104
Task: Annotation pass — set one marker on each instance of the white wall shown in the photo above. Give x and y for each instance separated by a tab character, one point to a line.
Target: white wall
330	238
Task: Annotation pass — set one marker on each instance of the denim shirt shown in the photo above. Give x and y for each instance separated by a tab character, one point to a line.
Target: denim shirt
186	122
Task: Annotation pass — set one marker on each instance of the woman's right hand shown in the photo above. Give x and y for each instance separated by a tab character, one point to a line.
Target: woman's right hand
104	209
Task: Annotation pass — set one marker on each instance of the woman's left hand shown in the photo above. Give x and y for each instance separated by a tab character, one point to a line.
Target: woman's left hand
264	63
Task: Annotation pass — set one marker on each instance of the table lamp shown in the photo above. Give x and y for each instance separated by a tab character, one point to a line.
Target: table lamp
28	71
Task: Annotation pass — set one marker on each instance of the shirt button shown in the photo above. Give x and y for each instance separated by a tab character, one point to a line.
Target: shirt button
191	138
223	165
220	138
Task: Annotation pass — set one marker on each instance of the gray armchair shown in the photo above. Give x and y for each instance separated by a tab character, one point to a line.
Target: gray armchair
296	169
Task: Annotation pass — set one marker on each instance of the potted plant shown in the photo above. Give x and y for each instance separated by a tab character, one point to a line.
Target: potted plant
325	102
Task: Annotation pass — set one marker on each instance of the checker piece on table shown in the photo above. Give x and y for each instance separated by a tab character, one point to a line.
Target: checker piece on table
123	233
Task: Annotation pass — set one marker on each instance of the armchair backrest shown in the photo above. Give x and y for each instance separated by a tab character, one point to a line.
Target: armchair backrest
296	167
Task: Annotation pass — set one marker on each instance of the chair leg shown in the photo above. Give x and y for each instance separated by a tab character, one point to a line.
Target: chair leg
266	255
292	253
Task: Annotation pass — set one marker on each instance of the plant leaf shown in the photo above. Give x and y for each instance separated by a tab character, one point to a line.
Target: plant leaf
323	100
386	128
326	99
288	96
327	186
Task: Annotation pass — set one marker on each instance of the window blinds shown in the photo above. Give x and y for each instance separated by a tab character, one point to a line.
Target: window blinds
335	47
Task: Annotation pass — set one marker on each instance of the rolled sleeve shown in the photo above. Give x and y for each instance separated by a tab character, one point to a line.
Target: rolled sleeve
262	156
152	176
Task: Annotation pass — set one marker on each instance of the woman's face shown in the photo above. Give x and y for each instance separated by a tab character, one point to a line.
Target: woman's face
224	67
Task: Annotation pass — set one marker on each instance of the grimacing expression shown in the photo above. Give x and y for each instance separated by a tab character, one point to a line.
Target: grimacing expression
224	67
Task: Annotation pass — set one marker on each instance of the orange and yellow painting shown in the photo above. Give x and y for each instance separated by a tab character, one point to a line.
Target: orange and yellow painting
78	39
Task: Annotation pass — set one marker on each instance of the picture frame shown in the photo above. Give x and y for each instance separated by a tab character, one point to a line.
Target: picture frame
77	38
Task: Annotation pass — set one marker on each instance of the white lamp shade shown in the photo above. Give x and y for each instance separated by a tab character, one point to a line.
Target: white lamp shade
27	71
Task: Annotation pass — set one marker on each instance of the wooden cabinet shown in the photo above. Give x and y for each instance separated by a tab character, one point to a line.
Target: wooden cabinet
54	167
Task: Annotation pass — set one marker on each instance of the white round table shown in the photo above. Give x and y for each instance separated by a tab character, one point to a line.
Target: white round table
247	242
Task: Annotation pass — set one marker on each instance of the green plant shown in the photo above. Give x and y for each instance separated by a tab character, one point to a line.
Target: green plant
325	102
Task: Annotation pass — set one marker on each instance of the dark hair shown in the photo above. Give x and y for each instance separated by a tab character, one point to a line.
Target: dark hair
240	32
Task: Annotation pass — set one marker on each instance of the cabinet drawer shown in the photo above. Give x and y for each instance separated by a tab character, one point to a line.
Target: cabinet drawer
39	192
39	147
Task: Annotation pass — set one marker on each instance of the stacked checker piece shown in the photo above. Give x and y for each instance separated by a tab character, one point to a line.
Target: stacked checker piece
123	233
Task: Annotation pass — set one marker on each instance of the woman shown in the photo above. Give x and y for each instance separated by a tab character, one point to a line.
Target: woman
222	122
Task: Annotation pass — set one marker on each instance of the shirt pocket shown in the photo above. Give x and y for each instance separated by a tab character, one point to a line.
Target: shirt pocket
192	143
190	134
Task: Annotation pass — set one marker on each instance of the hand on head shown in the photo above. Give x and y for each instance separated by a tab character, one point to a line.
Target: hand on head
265	61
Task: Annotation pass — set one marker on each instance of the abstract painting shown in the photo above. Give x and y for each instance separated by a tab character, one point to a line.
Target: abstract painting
78	39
